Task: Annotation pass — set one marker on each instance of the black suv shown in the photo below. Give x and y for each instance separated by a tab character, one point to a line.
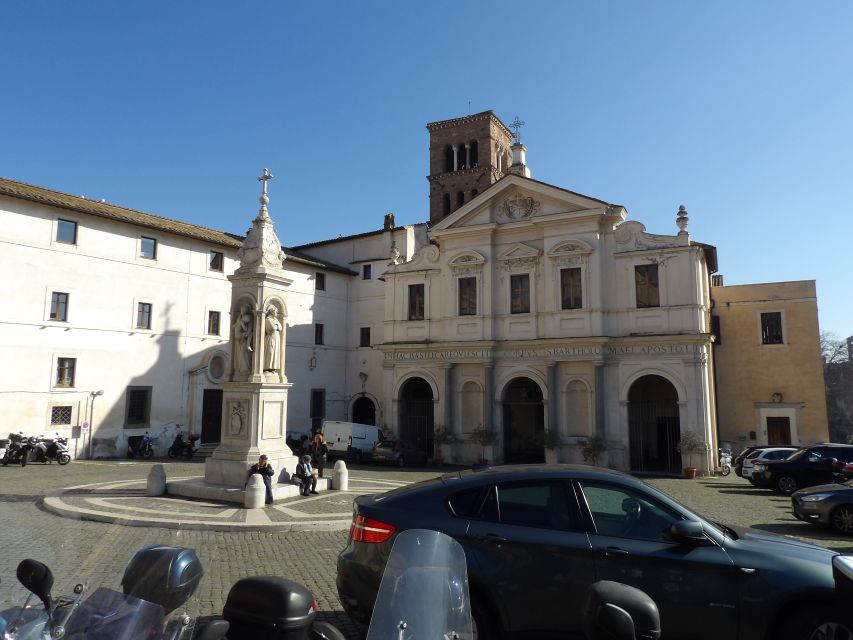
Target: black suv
812	465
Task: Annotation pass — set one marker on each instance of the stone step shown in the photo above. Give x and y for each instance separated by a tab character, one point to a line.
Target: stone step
206	450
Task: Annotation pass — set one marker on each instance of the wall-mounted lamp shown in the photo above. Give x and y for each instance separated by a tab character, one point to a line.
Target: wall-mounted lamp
312	363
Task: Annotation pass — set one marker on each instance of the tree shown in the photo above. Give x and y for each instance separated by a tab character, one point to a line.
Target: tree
832	348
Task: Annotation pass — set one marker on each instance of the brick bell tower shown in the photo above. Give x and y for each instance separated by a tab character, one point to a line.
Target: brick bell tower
466	155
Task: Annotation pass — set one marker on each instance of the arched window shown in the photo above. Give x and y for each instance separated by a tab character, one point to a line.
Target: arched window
474	154
446	204
460	199
448	158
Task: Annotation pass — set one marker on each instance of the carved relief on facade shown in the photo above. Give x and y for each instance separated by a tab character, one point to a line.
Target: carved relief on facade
468	263
519	257
425	257
570	252
237	418
632	235
519	207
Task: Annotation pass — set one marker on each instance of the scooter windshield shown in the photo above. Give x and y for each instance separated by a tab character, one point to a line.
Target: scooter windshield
424	590
110	615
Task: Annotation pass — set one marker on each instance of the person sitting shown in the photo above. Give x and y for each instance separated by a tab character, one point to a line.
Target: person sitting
305	475
266	471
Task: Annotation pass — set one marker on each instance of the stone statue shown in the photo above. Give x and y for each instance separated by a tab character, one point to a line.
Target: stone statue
272	341
243	333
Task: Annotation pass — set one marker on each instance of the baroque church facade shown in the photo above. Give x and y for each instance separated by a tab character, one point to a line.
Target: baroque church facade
521	321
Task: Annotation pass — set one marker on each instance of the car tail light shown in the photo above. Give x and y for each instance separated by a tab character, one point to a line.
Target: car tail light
369	530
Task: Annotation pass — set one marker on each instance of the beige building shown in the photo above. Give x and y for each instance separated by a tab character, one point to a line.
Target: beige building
769	371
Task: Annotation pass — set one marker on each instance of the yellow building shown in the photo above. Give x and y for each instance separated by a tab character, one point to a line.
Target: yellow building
769	371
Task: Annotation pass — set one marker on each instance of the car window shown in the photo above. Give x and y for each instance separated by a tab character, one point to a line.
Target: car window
465	503
754	454
778	455
799	453
623	513
530	504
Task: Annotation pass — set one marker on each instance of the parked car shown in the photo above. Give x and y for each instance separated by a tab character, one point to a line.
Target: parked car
829	504
846	472
760	455
806	467
536	536
737	463
398	453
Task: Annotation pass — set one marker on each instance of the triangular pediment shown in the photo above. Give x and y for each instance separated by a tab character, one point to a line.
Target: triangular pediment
515	199
519	251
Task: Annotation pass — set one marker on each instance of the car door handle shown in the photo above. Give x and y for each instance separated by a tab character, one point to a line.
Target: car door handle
615	551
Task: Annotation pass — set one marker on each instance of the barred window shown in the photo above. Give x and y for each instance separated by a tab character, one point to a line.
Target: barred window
138	406
771	328
570	288
65	371
60	415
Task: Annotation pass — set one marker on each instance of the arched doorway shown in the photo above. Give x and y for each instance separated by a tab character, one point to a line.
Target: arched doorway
524	422
364	411
654	425
416	415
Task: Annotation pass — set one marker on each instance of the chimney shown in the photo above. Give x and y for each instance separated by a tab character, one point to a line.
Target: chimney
389	221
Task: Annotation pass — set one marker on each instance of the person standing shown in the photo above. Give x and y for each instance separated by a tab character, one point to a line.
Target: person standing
306	476
319	452
264	468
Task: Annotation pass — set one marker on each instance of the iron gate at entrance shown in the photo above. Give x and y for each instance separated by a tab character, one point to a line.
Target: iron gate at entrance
416	415
654	426
524	422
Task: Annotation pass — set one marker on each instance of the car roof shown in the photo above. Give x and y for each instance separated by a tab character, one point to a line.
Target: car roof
502	473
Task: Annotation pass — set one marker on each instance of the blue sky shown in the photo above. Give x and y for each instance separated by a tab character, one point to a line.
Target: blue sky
739	110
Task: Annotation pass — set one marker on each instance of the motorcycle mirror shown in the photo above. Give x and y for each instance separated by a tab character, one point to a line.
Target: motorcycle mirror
36	577
615	611
687	531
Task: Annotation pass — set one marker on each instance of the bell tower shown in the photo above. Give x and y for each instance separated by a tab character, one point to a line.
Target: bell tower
466	156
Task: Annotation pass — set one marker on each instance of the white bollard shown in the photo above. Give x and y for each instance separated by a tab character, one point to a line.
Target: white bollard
156	485
340	476
256	492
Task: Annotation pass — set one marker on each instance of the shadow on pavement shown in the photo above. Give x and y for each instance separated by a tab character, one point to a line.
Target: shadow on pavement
805	530
14	497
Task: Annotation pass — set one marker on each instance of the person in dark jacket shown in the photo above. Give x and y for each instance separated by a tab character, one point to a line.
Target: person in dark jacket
265	469
305	474
319	452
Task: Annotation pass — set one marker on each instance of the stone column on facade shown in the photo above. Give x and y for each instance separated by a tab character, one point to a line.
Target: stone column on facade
448	397
489	382
600	427
455	158
553	394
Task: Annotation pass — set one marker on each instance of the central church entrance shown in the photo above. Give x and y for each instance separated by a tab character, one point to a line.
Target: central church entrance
524	422
654	426
416	415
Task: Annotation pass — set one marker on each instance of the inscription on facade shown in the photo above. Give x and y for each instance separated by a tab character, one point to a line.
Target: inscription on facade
547	352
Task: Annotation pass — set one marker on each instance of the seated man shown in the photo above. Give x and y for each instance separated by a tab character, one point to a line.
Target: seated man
306	476
265	469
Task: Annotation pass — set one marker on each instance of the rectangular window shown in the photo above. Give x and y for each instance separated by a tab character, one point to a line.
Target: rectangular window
519	293
320	281
59	306
213	323
65	371
143	315
467	296
318	409
217	261
771	328
416	302
148	248
318	333
60	415
366	272
66	231
646	282
138	406
571	295
365	337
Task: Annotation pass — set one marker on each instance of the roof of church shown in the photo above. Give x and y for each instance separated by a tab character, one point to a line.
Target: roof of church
42	195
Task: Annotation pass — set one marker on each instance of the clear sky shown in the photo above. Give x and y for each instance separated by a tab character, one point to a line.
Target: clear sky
740	110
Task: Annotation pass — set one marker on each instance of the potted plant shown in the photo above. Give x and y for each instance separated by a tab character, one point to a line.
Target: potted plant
690	445
485	438
551	442
592	448
441	439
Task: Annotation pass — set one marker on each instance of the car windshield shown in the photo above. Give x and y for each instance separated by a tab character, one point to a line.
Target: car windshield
799	453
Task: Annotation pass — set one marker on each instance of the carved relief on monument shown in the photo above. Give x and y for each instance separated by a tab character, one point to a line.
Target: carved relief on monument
238	418
243	337
273	332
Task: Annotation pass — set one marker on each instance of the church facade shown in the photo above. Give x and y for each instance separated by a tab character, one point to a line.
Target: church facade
521	323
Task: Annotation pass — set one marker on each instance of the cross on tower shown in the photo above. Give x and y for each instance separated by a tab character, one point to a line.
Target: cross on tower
266	175
516	127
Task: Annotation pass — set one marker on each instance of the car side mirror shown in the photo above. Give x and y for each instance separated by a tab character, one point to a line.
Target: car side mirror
615	611
687	531
37	578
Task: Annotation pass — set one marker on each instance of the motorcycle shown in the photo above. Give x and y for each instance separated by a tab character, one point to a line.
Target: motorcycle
19	448
140	446
51	449
725	462
183	448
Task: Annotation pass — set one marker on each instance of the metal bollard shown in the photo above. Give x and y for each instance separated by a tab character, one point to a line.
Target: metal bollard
256	493
156	485
340	476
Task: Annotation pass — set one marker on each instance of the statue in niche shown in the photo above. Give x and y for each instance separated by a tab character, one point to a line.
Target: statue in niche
243	332
272	344
237	420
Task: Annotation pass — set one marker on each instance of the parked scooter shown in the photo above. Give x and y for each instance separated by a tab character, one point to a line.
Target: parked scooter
183	448
19	449
139	446
725	462
51	450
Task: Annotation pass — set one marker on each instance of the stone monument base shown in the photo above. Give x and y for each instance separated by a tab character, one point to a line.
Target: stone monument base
198	488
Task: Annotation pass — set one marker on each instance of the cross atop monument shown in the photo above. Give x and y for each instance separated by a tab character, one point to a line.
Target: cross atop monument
266	175
516	127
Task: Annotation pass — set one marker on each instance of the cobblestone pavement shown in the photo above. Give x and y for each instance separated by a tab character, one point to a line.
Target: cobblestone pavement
80	550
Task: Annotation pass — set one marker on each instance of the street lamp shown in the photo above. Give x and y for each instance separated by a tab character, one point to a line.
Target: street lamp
93	394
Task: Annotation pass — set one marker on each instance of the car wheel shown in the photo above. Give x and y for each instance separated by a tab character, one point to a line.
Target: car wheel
842	519
815	621
787	485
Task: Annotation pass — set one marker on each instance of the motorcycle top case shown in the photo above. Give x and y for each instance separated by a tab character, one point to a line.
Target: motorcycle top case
165	575
268	607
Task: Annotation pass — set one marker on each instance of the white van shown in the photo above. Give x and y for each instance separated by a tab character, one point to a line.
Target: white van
350	439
